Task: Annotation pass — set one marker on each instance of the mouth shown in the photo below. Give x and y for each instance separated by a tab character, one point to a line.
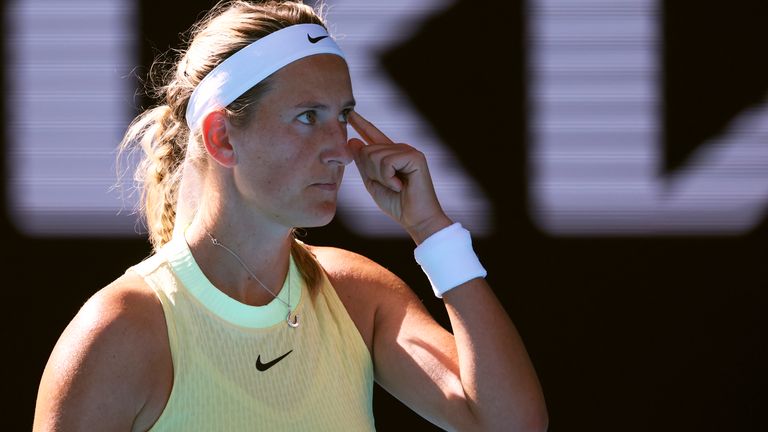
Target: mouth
329	181
329	186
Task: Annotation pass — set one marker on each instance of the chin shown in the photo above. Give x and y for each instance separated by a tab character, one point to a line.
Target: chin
320	216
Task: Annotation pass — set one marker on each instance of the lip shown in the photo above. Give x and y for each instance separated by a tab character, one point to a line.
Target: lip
326	186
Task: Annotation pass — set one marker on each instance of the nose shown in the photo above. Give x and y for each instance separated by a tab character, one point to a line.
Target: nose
335	150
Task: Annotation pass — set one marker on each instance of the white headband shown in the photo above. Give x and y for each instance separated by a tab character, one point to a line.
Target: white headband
252	64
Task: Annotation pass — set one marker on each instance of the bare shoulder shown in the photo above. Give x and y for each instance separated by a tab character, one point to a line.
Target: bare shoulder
128	302
125	311
105	364
360	279
354	271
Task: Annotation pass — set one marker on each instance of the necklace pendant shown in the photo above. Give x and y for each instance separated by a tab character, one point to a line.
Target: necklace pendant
295	322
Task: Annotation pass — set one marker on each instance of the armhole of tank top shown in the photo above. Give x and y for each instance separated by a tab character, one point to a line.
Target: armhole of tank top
328	286
162	297
334	297
172	336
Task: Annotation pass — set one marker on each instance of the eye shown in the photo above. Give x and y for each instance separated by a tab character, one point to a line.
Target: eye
345	115
308	117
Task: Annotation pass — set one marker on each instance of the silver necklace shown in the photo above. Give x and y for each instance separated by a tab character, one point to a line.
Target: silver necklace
295	322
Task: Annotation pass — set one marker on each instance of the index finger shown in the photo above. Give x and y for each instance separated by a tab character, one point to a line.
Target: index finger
370	133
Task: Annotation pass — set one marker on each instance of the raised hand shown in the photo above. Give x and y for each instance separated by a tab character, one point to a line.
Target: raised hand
397	177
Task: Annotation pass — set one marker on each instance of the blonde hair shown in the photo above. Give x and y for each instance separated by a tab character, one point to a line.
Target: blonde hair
162	132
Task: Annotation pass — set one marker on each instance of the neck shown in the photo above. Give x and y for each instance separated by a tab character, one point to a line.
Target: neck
263	246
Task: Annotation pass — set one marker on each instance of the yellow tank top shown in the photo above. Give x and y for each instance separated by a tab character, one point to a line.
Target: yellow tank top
242	368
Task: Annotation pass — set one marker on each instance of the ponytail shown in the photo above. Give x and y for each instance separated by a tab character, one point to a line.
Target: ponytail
163	140
309	267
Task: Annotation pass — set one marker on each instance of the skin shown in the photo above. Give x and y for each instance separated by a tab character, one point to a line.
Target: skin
112	365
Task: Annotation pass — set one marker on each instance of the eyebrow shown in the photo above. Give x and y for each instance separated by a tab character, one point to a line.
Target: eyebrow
317	105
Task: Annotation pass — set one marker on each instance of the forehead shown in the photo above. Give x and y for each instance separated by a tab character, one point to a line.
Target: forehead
322	77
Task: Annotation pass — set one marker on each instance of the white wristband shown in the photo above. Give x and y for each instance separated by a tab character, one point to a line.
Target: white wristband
448	259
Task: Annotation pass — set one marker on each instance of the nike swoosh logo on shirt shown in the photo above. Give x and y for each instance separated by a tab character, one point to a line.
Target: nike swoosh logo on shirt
264	366
315	39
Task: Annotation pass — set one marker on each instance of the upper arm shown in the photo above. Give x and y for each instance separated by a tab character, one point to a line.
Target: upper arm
99	374
415	358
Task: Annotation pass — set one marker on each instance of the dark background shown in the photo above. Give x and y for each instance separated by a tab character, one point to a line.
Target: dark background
630	334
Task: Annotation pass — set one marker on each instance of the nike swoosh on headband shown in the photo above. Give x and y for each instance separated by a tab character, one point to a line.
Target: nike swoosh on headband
264	366
317	39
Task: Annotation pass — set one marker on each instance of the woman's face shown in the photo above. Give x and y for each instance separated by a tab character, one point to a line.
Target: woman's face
290	156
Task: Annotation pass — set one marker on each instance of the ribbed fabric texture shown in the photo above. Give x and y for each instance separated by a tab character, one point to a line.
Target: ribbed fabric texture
325	383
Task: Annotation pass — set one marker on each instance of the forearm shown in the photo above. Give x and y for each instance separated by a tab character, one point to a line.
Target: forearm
499	381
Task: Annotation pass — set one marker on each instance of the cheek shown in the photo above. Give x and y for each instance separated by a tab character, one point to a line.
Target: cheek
296	148
273	147
277	158
280	169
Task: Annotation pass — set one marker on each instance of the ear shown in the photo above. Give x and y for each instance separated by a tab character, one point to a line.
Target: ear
216	139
